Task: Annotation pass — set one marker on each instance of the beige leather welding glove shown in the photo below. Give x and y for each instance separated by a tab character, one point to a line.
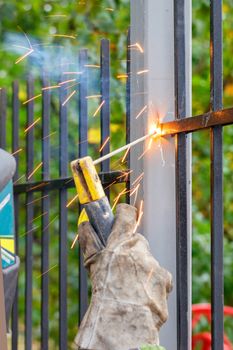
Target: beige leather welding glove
129	288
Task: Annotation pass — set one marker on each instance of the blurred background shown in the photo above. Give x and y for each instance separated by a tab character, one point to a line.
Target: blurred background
41	37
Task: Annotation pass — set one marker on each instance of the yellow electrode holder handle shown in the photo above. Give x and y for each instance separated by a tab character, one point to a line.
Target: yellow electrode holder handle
91	195
87	182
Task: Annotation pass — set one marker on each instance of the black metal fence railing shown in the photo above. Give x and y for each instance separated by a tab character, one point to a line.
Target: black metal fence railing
26	194
216	173
214	120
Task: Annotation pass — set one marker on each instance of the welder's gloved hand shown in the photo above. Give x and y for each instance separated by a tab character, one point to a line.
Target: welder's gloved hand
129	288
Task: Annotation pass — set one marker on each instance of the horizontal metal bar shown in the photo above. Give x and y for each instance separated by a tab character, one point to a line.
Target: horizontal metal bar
200	122
57	184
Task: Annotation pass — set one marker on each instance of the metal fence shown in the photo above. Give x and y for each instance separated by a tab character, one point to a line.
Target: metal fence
214	120
46	186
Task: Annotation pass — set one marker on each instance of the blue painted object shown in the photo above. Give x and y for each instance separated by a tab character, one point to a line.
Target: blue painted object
7	228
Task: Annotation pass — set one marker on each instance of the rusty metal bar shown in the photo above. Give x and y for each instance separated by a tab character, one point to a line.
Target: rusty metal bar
197	123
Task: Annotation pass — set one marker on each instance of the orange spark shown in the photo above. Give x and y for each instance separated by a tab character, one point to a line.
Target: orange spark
71	201
110	185
147	149
38	199
100	106
141	206
138	179
118	167
68	181
122	76
64	36
29	231
39	216
124	191
21	58
31	125
136	195
116	164
140	214
52	133
104	144
79	143
16	181
67	81
56	16
125	155
17	151
50	223
92	65
142	71
143	153
50	87
141	111
70	86
117	198
36	168
72	73
138	222
150	143
138	46
134	189
125	174
93	96
38	186
116	161
44	273
68	98
31	99
75	240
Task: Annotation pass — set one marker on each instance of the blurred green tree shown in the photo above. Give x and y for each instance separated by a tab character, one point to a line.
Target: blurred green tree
45	24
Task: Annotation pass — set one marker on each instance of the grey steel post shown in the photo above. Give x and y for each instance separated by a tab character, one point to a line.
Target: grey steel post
152	26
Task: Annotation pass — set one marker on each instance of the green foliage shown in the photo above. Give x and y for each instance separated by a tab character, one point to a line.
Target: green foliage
87	22
152	347
201	285
90	21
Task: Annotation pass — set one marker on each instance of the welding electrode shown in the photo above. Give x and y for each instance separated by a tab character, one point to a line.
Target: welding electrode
91	193
92	197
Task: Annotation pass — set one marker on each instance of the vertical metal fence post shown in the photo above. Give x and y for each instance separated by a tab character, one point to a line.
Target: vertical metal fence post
217	293
29	218
63	164
105	99
3	105
15	147
45	218
181	180
83	149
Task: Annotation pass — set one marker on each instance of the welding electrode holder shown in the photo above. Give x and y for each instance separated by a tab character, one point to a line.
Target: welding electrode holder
92	197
